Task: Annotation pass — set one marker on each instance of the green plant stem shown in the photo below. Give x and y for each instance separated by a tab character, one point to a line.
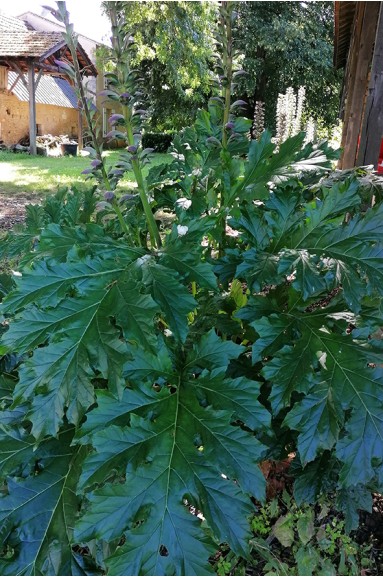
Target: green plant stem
120	217
153	229
227	59
117	43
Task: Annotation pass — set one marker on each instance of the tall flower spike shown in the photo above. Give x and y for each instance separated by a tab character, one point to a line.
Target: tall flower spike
290	103
310	130
281	119
300	107
259	119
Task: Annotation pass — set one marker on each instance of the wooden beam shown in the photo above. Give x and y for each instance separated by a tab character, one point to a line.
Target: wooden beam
32	107
52	50
40	73
13	66
48	68
14	83
372	130
359	80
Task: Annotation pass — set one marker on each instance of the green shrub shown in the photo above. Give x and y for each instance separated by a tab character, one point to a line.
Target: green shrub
149	369
159	141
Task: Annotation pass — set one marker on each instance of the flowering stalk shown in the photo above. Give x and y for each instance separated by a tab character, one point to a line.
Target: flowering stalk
153	229
290	101
72	45
259	119
300	106
122	70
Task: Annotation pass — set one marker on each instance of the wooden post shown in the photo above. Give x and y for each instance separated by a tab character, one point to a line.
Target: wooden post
32	107
360	81
372	130
349	74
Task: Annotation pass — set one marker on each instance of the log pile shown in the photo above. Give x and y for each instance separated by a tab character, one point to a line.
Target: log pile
47	144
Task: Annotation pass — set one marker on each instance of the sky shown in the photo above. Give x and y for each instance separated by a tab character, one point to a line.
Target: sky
85	14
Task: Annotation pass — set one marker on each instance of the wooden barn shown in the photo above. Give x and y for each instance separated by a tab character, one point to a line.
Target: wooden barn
34	97
359	48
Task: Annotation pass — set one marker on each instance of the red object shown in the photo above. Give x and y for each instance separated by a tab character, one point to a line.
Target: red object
380	160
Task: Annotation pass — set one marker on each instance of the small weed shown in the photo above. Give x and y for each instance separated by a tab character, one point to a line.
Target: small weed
290	540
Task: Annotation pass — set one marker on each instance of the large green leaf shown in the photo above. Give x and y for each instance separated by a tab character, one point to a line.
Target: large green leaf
351	501
283	216
16	449
254	225
335	202
346	383
47	283
259	269
173	298
288	371
59	375
316	418
37	516
305	271
58	379
211	352
186	260
238	394
264	166
111	410
353	252
273	331
177	450
134	312
58	241
84	340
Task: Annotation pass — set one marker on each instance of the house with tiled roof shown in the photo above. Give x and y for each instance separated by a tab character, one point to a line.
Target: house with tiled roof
30	36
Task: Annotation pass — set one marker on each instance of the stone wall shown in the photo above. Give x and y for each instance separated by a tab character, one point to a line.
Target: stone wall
14	119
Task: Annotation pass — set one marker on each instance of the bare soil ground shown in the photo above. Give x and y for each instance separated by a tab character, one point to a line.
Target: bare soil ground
12	209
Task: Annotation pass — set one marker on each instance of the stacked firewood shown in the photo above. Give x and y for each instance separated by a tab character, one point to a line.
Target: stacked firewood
47	144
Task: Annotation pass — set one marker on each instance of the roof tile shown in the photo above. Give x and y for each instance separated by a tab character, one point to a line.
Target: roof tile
27	43
9	23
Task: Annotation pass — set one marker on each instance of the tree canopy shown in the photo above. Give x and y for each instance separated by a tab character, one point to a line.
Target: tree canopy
280	44
173	53
289	44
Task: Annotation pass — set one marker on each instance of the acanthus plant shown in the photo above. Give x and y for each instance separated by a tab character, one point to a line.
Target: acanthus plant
147	370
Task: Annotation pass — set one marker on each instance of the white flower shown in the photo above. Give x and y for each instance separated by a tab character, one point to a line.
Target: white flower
182	230
168	333
184	203
143	260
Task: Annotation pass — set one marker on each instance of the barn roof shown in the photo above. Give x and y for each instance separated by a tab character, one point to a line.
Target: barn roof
8	22
50	90
44	47
343	22
35	21
29	43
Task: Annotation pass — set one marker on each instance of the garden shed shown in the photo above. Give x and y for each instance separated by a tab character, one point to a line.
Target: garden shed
29	78
359	48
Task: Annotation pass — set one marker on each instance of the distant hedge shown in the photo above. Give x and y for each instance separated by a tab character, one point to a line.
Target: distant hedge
159	141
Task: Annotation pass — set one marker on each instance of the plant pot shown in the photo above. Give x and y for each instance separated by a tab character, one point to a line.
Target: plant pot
69	149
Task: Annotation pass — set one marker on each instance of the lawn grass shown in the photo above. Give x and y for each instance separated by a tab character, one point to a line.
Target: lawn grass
25	175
